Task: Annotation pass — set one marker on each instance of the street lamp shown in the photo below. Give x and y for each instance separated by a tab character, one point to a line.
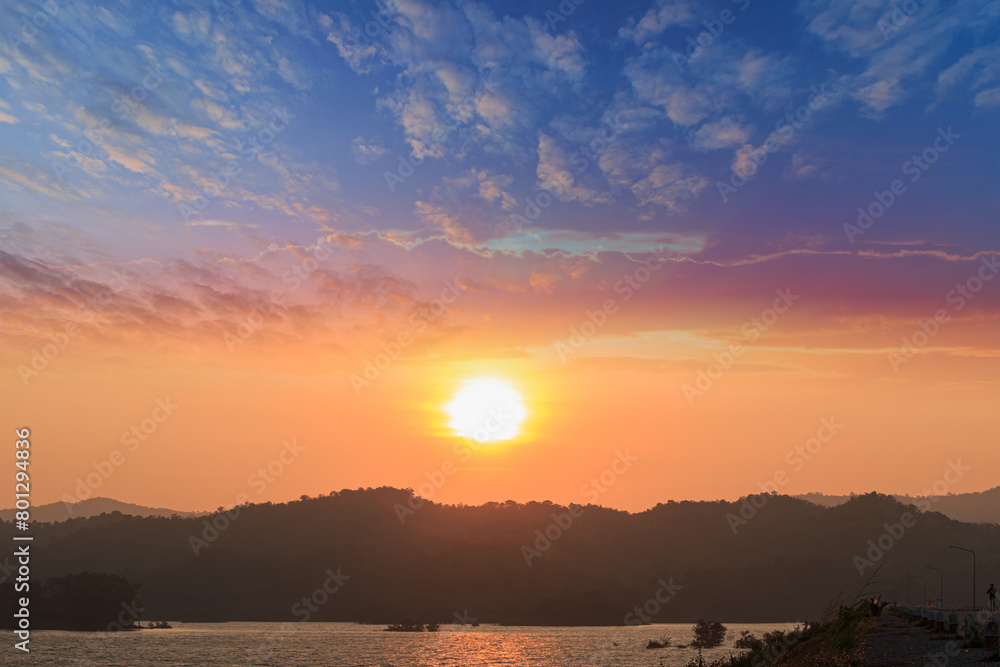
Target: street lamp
923	601
973	572
942	580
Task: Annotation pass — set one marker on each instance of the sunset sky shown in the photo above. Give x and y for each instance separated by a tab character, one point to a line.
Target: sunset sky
686	231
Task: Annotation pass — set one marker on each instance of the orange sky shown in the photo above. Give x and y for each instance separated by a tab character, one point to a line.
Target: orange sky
697	260
622	391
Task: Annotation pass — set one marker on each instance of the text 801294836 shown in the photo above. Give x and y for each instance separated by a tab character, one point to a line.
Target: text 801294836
22	553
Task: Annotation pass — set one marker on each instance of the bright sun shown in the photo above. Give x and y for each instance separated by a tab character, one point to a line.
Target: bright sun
486	410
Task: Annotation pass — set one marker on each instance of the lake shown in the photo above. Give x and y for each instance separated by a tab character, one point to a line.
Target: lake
350	645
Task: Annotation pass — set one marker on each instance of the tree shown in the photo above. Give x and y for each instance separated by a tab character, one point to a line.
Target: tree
80	601
748	640
708	634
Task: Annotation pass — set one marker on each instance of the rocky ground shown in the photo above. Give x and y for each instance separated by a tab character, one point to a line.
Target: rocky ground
895	642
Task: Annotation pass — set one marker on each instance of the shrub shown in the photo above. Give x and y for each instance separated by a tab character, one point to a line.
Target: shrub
708	634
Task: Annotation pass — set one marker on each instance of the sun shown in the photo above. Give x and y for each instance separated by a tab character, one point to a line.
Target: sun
486	410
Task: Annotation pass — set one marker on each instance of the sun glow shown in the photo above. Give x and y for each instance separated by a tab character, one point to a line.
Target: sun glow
486	410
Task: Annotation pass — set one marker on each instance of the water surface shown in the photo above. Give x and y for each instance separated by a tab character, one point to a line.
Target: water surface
350	645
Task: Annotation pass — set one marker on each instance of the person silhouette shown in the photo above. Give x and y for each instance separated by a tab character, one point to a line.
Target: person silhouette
991	592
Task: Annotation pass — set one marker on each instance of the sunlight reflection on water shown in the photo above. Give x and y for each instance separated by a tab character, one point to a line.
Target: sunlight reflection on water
350	645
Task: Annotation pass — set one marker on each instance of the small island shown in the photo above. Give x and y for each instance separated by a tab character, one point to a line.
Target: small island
413	626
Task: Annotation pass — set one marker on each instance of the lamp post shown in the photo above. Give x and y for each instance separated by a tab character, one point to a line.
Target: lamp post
951	546
941	572
923	600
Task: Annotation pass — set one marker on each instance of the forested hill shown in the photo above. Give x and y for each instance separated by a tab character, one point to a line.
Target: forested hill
981	506
60	511
786	560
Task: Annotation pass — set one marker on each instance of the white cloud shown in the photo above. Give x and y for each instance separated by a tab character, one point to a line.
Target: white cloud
358	50
988	98
658	83
467	78
193	27
667	13
668	185
847	24
137	162
804	166
650	175
493	188
899	49
983	62
823	98
365	152
556	173
721	78
292	73
560	53
471	207
723	133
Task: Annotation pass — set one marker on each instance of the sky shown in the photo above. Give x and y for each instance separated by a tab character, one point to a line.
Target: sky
257	246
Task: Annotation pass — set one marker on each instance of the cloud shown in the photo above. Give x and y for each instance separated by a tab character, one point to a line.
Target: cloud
561	54
293	73
665	14
556	174
668	185
543	283
721	79
989	98
29	178
723	133
765	77
140	163
822	98
651	176
982	66
574	242
193	27
365	152
898	48
469	208
162	304
655	81
492	188
358	51
467	78
805	166
442	217
846	24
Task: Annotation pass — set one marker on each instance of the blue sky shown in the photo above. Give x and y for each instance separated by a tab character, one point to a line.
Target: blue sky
494	102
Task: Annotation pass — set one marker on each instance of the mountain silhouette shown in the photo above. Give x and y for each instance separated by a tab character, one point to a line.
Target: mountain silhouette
763	558
53	512
982	506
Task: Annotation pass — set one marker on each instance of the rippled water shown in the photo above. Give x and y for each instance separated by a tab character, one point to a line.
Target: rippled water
349	645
